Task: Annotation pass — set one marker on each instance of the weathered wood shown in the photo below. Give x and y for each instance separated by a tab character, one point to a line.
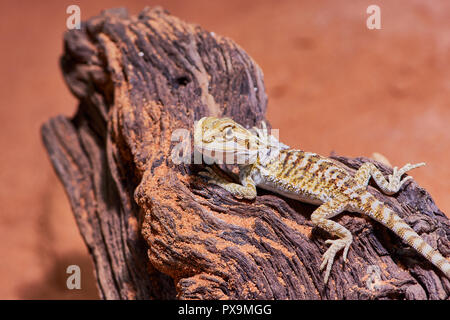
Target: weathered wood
155	229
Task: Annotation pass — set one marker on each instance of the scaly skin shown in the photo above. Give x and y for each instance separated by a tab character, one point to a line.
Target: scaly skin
307	177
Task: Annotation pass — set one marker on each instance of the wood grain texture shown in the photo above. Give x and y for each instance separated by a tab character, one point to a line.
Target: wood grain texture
155	229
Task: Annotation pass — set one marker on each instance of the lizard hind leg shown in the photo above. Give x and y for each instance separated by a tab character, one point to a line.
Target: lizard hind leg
388	186
321	217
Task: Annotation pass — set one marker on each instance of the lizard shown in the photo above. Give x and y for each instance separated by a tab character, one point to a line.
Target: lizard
266	163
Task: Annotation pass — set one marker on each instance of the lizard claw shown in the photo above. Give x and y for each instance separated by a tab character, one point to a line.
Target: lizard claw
206	173
404	180
210	174
408	167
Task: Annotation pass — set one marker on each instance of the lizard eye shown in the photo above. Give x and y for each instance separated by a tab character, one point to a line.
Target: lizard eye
229	133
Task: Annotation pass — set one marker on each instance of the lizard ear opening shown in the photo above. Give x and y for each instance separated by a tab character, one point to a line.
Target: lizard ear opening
229	133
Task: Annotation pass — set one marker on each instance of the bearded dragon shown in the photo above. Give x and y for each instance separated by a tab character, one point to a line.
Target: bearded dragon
266	163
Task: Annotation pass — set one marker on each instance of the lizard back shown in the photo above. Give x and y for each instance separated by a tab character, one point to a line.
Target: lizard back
303	176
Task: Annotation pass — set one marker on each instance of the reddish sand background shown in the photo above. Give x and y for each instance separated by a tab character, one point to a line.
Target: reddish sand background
332	85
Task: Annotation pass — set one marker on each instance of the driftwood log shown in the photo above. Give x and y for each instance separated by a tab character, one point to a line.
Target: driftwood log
155	229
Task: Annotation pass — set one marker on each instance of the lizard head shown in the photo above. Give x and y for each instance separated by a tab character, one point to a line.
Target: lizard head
224	139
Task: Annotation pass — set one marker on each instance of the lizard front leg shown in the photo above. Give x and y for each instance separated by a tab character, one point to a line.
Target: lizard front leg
246	190
390	186
320	217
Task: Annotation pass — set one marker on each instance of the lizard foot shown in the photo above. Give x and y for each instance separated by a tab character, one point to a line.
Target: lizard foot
239	191
212	176
395	182
328	256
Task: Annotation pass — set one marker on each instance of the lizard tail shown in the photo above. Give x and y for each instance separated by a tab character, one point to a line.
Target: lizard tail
377	210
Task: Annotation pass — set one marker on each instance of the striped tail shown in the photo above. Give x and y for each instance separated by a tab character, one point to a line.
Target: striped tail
380	212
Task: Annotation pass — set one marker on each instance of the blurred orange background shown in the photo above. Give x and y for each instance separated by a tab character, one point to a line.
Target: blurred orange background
333	85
